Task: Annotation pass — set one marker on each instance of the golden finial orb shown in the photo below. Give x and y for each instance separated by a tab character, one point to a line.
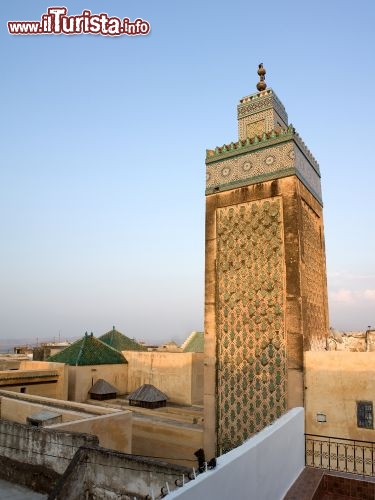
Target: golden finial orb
261	85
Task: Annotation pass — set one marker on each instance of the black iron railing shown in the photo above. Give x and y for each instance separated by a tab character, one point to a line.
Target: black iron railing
339	454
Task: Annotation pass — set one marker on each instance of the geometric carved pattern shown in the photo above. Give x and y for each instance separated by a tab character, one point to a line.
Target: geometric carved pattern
267	120
256	106
313	280
270	119
251	346
258	102
256	127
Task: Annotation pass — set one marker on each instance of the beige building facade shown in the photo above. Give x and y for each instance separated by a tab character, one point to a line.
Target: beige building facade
82	378
265	275
340	394
40	378
178	374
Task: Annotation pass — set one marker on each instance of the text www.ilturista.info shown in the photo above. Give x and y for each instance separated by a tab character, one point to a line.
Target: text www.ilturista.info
57	22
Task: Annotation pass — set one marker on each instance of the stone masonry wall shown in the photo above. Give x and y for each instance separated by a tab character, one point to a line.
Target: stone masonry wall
40	447
101	474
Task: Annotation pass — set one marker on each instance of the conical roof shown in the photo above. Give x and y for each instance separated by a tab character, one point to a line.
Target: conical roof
101	386
88	351
120	342
147	393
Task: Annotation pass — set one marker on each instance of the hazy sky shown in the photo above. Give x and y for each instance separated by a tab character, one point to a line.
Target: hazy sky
103	142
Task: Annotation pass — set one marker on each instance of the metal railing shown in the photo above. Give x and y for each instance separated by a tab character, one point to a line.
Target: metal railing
340	454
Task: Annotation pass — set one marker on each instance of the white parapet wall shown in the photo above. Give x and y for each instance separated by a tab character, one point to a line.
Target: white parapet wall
263	468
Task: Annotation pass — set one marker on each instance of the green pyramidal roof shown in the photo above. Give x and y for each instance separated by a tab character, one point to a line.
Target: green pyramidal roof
88	351
194	343
121	342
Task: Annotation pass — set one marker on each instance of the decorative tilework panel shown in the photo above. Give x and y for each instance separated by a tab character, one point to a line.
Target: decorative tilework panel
308	174
313	280
262	164
251	346
255	106
258	102
245	166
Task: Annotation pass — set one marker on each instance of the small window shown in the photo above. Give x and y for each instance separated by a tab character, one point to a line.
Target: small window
364	414
23	390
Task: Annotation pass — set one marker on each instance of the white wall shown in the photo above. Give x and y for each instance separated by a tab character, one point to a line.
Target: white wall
263	468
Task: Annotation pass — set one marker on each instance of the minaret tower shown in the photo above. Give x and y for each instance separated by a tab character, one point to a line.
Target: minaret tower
265	276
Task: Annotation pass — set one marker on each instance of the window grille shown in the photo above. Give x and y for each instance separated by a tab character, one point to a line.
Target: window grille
365	414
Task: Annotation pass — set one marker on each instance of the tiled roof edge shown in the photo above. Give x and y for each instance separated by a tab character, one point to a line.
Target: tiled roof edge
264	140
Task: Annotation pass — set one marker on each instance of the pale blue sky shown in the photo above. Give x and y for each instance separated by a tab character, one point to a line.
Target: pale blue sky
103	145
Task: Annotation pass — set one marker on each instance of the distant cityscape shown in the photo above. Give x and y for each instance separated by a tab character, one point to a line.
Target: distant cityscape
8	345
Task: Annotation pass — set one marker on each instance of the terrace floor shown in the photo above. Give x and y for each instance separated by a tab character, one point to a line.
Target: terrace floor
321	484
